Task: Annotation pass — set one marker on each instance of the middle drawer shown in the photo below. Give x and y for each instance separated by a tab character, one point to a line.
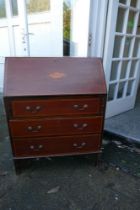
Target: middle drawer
53	127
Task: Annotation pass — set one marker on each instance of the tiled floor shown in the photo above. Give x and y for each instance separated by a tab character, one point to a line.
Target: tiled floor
126	124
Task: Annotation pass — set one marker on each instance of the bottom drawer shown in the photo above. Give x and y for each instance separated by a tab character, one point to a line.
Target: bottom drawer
56	146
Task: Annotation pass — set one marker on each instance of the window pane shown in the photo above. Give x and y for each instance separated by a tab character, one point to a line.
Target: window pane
121	89
2	9
34	6
133	3
123	1
130	87
112	88
124	70
114	70
138	26
133	68
14	7
120	20
131	21
127	46
136	48
117	47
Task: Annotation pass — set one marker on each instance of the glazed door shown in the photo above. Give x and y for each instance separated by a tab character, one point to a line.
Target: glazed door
122	55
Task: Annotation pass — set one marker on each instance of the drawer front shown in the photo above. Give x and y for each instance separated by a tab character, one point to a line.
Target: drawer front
57	146
28	108
53	127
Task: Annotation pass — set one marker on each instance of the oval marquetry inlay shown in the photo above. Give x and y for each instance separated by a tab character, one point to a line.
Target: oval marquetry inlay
57	75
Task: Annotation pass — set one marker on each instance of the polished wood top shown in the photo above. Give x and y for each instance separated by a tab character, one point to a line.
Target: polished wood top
37	76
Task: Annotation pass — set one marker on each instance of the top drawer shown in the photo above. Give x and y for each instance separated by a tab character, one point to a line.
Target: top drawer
53	107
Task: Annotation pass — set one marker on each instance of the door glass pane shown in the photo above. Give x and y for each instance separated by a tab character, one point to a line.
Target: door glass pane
114	70
138	26
2	9
133	3
127	47
120	20
130	87
123	1
136	48
133	68
124	69
117	46
111	93
34	6
14	7
131	21
121	89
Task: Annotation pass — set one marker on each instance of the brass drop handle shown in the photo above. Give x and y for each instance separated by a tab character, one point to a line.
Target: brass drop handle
83	144
34	129
80	107
80	126
33	109
32	147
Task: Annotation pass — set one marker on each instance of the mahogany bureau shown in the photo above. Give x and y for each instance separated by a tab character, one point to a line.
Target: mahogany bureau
54	106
